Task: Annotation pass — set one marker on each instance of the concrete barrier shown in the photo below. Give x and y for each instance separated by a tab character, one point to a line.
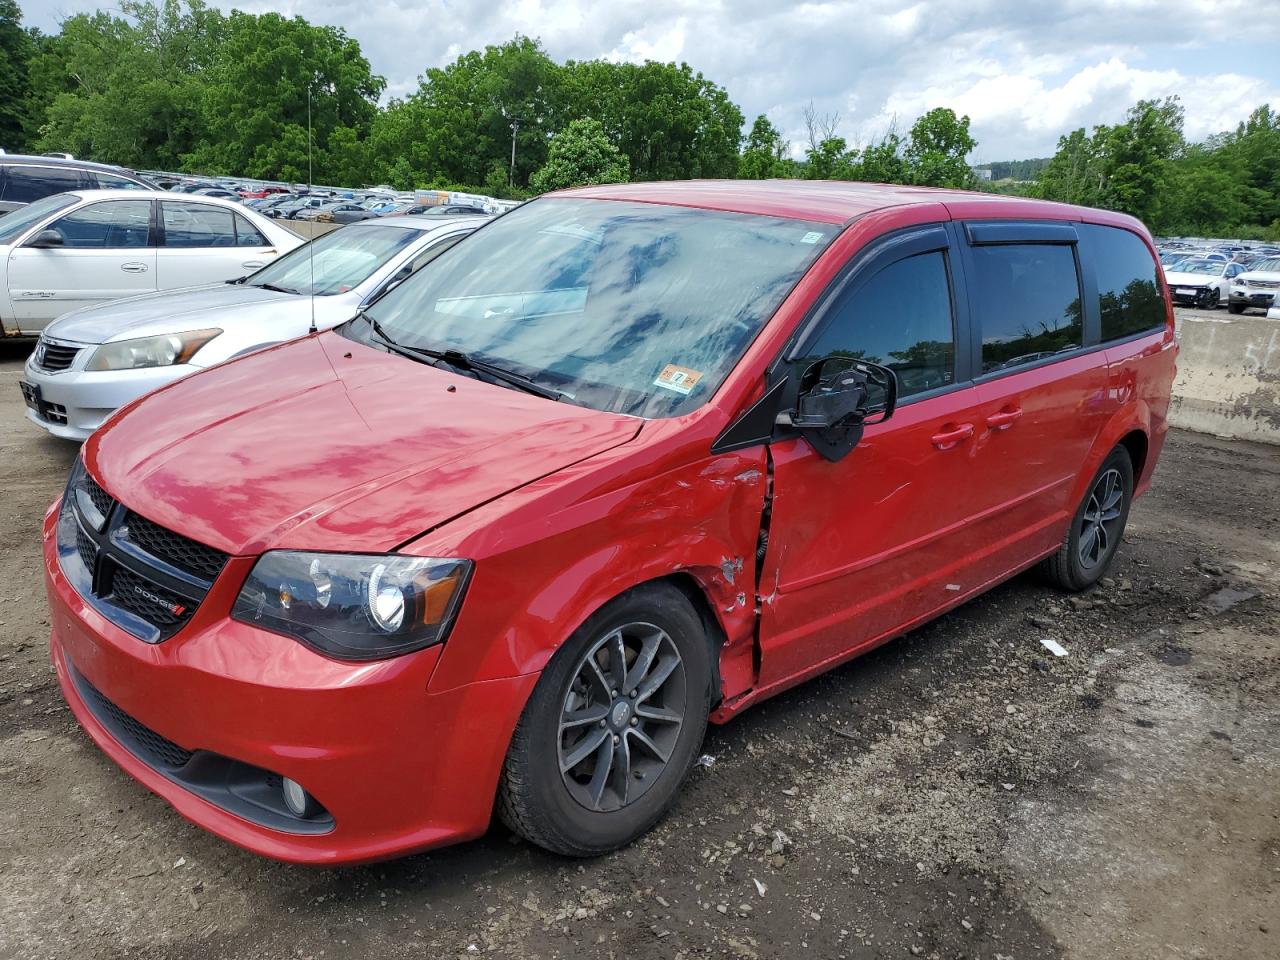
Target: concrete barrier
1228	380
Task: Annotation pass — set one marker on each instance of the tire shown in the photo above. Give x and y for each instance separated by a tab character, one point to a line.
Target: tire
576	813
1090	544
1235	307
1213	299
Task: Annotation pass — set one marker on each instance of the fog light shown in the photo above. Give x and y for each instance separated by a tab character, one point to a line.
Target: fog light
299	802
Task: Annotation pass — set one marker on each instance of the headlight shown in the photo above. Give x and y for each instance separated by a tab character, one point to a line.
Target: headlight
352	606
162	351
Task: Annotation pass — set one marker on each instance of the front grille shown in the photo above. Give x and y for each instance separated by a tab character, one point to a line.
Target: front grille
140	739
148	600
173	548
142	577
1265	284
55	357
99	497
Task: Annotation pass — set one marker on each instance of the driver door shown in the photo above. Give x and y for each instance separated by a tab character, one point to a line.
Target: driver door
106	254
860	548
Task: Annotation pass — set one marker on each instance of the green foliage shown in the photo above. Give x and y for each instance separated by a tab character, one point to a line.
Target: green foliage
1227	186
580	154
15	86
764	156
937	149
1019	170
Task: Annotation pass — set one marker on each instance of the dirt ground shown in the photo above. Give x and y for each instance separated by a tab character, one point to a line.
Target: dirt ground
960	793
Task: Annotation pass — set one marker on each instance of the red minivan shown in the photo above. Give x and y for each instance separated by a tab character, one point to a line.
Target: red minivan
626	459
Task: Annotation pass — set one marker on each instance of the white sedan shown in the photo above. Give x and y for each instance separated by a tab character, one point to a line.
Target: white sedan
1201	283
94	360
79	249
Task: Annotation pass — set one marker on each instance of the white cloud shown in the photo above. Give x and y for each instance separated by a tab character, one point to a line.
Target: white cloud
1024	72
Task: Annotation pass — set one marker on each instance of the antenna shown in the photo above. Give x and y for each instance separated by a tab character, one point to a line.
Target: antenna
311	250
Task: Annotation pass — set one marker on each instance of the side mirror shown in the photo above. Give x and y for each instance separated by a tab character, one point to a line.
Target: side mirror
838	397
46	239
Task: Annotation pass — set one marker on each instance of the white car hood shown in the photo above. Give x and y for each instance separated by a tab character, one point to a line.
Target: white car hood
1177	279
170	311
1271	276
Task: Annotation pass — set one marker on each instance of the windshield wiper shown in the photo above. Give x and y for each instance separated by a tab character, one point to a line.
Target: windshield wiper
465	362
277	288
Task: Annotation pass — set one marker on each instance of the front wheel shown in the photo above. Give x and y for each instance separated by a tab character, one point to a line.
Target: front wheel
1094	535
612	727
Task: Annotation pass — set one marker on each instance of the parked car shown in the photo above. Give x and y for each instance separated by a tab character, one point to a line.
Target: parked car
24	179
220	192
345	213
441	210
1255	288
94	360
77	249
624	458
1202	283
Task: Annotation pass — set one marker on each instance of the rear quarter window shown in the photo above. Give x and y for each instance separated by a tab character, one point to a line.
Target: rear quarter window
1129	297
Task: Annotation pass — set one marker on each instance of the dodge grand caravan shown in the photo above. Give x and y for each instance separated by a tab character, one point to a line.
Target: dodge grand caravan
626	459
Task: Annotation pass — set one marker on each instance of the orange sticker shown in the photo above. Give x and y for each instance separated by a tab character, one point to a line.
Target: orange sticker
680	379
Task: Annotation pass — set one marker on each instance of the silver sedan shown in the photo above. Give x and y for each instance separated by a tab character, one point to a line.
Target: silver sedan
90	362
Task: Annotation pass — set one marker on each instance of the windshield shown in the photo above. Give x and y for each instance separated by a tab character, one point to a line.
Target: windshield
15	224
1211	267
342	259
633	308
1262	266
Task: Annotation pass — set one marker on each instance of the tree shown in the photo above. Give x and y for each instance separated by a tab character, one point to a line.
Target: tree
16	49
254	107
580	154
937	150
669	121
459	124
765	153
125	89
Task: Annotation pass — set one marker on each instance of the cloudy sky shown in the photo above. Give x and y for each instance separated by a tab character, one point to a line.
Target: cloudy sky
1024	71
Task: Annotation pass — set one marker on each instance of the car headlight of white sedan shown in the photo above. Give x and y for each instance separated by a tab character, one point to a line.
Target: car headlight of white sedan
162	351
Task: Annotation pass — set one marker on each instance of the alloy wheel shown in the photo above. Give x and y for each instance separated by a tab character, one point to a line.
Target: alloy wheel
621	717
1100	523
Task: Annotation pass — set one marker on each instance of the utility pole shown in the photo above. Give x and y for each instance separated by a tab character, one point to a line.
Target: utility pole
511	173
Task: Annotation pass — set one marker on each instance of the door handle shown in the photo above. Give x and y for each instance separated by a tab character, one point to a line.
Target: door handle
253	264
1004	419
133	267
949	438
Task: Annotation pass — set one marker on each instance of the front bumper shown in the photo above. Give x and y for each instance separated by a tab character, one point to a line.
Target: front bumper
1258	299
399	768
77	401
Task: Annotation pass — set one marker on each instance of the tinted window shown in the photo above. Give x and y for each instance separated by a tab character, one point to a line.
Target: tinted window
197	225
247	234
108	181
25	184
1027	300
1128	288
900	318
110	225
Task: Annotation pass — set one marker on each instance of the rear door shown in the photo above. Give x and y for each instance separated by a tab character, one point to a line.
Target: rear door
862	547
206	243
106	254
1042	379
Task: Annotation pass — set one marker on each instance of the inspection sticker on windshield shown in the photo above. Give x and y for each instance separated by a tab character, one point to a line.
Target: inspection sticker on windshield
813	236
680	379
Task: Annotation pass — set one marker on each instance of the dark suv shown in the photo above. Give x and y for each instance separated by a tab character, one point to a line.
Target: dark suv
26	178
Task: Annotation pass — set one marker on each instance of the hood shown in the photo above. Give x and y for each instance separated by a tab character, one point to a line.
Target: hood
1176	279
165	312
326	444
1270	276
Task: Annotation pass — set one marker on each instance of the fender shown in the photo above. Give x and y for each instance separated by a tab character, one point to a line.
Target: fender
698	519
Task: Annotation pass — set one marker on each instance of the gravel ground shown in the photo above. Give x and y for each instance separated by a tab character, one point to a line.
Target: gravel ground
959	793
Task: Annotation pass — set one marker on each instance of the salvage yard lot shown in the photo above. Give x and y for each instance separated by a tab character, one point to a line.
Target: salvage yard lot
961	792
